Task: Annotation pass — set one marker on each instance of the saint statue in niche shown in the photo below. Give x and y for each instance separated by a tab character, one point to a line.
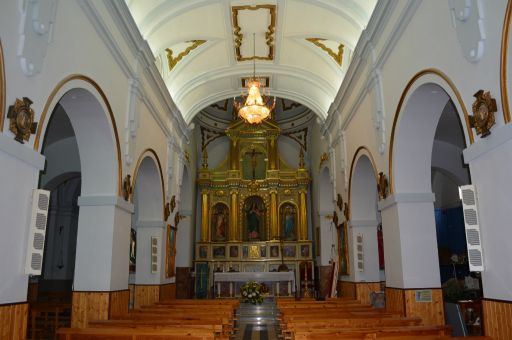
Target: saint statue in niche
288	221
255	216
219	221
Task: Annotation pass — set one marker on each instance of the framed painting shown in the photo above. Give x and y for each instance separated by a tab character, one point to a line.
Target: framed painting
254	252
219	252
305	251
344	267
170	251
263	251
219	222
245	252
288	221
274	251
289	251
233	251
202	252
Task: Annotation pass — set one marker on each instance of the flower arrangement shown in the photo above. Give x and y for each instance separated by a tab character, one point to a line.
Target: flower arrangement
253	292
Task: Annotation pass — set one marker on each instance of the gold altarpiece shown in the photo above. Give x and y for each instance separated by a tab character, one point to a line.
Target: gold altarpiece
253	205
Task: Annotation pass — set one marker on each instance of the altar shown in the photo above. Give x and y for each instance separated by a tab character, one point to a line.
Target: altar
234	280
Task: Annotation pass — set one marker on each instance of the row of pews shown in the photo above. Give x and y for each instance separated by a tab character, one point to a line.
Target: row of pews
349	319
175	319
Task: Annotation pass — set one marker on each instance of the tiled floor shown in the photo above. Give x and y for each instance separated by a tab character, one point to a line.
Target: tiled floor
257	322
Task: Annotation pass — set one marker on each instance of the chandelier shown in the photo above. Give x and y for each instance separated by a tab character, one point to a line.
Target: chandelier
256	107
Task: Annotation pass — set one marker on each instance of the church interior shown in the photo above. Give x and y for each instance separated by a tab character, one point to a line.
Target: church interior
341	168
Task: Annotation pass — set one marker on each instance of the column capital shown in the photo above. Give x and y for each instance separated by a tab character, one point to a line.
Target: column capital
106	200
406	197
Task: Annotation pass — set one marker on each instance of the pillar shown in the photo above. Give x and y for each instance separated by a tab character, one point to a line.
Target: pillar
234	162
205	234
234	233
274	220
303	219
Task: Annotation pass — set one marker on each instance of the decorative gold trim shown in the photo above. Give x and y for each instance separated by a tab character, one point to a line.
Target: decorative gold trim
338	57
264	81
503	63
173	61
375	173
50	99
399	108
269	35
323	158
21	119
142	156
3	89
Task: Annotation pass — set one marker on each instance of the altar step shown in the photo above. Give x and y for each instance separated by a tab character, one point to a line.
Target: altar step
257	322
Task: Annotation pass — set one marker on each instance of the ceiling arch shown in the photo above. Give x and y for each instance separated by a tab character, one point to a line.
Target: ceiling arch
304	47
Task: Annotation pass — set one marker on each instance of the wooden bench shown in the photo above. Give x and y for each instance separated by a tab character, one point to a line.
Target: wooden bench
373	332
139	333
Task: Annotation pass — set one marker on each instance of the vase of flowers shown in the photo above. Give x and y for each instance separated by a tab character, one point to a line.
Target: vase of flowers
253	292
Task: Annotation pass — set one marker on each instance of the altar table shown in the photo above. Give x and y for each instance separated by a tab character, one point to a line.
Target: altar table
275	277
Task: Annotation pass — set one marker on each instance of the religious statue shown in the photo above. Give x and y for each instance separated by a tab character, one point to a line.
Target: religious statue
220	221
254	214
288	213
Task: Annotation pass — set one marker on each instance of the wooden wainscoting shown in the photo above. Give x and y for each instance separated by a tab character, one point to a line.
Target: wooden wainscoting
89	306
497	315
118	304
146	295
395	300
168	292
347	289
13	321
363	290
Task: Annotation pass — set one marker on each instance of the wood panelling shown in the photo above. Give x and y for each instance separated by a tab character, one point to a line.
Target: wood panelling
431	313
131	288
118	303
363	290
89	306
497	316
168	292
395	300
347	289
324	279
13	321
146	295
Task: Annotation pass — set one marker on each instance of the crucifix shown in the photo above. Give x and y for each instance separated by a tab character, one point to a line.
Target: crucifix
254	162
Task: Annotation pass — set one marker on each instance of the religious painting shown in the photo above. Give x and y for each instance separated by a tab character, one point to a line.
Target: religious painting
343	249
289	251
288	218
304	250
274	251
170	251
133	249
245	252
203	252
254	252
219	222
380	245
255	213
254	164
263	251
219	252
233	251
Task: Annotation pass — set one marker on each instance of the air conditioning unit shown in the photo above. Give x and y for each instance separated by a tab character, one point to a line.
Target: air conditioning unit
469	200
38	220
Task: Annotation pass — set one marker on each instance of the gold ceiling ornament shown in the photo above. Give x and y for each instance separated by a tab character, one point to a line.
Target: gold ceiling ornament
205	159
127	187
208	136
256	107
339	202
299	136
269	34
337	56
484	108
173	61
324	157
21	118
289	107
382	185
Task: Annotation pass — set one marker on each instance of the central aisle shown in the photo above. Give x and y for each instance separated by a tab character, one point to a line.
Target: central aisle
257	322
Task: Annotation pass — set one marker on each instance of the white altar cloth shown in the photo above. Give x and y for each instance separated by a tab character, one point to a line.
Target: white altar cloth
254	276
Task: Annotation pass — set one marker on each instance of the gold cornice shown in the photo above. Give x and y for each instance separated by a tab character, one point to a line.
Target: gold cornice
503	63
338	57
93	83
399	108
269	35
173	61
143	155
374	166
2	88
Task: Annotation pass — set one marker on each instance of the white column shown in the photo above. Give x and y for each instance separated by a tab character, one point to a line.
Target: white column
185	240
410	242
368	230
19	172
103	241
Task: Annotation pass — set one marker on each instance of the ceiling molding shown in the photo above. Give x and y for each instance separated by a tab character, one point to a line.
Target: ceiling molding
269	34
172	61
336	56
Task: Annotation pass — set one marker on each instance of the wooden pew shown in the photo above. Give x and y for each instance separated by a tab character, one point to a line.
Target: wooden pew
142	333
403	332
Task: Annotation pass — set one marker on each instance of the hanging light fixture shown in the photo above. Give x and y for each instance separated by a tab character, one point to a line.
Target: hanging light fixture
256	107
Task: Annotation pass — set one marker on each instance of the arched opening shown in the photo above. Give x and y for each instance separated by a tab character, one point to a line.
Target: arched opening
428	137
81	165
365	253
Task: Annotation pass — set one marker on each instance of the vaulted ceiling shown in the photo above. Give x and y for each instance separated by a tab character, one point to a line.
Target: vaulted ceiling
204	48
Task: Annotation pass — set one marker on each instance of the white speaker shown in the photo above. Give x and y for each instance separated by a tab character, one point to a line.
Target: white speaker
154	255
468	197
37	234
360	252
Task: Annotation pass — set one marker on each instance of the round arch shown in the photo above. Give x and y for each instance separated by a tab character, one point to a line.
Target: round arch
148	170
412	136
504	62
362	185
95	128
2	88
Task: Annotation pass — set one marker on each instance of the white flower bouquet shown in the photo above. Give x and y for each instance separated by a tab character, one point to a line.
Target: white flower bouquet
252	292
